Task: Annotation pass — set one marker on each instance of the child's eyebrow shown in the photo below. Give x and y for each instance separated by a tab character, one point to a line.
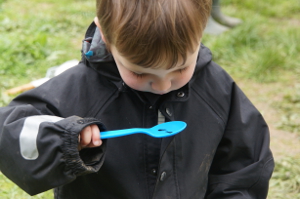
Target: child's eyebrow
122	64
135	71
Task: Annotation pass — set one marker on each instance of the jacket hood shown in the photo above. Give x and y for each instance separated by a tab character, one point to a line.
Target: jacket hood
94	54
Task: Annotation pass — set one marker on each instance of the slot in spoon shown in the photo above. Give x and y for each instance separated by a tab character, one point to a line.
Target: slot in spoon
159	131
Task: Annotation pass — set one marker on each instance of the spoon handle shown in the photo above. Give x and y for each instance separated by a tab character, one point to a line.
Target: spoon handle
122	132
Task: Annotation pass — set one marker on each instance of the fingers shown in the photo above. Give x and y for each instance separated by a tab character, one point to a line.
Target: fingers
89	137
85	136
96	135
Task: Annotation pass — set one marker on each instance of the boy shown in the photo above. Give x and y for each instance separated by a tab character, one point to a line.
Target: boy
142	64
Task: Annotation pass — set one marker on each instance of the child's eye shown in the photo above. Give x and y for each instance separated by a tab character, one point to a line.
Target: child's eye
137	74
182	70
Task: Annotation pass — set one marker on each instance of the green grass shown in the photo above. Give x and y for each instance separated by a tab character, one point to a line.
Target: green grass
36	35
8	190
285	181
259	49
290	110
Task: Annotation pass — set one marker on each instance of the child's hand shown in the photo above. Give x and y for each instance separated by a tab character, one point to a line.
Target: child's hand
89	137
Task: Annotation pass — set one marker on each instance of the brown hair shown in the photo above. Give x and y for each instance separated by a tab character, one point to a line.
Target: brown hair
153	33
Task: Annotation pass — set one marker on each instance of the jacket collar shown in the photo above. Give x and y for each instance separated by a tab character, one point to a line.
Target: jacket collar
95	55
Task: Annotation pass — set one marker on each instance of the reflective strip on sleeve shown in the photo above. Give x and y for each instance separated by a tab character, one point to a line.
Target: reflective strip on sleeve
29	133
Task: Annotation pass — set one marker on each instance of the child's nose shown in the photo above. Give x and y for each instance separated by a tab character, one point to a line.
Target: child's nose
161	85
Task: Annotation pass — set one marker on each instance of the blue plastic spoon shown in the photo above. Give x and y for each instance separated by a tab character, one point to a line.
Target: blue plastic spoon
159	131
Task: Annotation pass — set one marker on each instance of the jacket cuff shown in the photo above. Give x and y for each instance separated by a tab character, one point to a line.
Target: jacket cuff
88	160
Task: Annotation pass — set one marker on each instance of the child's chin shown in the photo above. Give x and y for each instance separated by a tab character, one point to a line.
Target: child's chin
151	91
159	93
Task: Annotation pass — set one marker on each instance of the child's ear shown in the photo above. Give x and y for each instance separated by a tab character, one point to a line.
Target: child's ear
99	27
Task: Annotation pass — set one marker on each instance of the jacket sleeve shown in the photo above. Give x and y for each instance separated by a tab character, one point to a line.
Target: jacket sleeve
243	162
38	150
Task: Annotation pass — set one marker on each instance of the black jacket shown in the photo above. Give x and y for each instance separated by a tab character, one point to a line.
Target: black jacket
223	153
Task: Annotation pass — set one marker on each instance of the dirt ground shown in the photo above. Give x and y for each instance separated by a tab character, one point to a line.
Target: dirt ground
283	143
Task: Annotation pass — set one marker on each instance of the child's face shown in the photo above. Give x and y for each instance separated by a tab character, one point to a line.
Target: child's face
158	81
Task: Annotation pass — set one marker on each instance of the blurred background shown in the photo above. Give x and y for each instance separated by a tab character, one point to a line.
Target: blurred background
262	54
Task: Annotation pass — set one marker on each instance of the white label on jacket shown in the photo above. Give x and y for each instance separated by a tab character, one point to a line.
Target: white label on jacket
29	133
160	118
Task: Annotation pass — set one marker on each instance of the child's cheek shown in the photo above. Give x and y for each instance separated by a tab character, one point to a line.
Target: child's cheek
134	83
183	80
